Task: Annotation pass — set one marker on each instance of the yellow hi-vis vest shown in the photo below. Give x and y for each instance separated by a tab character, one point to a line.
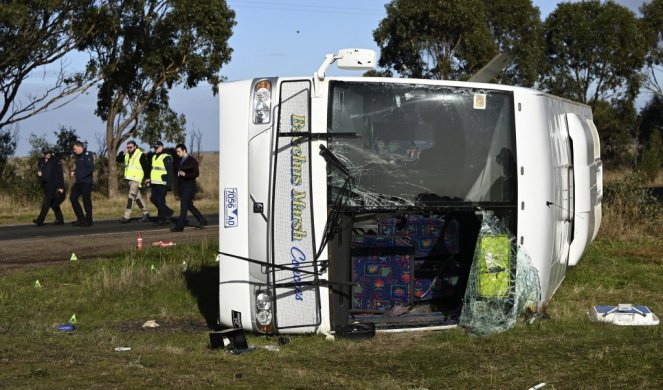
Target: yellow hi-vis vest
132	169
158	169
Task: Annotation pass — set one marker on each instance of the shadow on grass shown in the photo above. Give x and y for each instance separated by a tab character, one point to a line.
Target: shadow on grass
204	286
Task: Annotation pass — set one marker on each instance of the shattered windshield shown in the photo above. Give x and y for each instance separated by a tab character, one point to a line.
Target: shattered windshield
422	145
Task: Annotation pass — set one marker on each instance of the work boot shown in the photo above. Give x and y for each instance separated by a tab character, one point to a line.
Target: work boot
145	218
177	229
125	220
201	224
58	222
76	223
37	222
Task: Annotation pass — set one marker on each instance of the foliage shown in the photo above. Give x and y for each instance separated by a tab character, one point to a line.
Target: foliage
452	39
8	140
517	29
594	52
652	17
615	124
146	47
652	158
650	119
35	33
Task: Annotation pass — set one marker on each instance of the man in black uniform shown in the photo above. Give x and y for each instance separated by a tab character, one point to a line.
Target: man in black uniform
49	169
187	173
161	181
83	186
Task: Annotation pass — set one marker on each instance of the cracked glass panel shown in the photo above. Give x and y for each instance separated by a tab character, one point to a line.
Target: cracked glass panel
422	145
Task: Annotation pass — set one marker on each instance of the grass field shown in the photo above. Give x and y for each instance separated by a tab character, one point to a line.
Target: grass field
112	297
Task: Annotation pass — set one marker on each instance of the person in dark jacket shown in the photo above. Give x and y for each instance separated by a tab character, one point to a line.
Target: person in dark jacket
187	172
160	182
49	169
83	187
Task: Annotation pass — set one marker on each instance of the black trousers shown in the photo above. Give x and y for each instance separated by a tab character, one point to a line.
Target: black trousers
187	192
51	201
84	190
158	198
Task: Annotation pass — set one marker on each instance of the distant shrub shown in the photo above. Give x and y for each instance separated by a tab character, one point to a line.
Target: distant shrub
630	210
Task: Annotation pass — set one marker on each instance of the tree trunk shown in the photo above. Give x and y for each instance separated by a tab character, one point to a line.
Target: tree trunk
111	143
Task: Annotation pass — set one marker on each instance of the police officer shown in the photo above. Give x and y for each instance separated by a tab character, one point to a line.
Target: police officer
187	173
160	182
83	172
49	169
136	169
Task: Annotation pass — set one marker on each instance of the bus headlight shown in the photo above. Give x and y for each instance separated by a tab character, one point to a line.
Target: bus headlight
264	311
262	102
263	301
264	317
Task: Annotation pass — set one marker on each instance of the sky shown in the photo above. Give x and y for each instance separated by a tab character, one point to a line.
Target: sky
271	38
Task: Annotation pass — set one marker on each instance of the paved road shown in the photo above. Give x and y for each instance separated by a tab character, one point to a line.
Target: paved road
24	246
16	232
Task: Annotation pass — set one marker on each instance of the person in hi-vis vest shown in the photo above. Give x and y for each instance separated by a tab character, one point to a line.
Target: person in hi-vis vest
136	169
160	182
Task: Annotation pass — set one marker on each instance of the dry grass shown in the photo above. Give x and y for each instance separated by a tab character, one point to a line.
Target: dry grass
618	175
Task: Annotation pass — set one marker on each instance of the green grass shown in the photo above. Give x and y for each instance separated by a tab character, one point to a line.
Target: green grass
112	298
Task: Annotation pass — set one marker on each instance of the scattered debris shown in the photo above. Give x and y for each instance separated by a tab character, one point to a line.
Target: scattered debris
624	314
356	331
163	244
502	282
272	348
150	324
122	349
66	328
537	387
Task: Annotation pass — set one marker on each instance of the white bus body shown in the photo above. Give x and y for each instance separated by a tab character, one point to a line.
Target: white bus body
422	155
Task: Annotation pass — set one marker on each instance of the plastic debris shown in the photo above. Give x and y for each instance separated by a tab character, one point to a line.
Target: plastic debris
537	386
66	328
72	319
37	284
122	349
163	244
624	314
153	268
184	266
502	282
272	348
150	324
73	257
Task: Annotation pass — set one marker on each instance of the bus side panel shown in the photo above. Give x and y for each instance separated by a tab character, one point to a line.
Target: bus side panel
234	201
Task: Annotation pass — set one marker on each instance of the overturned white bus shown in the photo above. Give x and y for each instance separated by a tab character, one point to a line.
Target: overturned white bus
344	197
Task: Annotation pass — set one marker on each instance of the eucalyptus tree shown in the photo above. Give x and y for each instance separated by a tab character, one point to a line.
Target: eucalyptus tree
594	52
144	49
652	16
452	39
35	34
